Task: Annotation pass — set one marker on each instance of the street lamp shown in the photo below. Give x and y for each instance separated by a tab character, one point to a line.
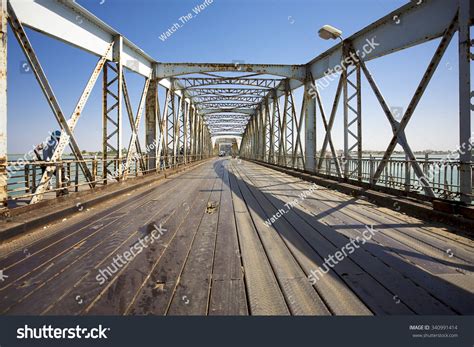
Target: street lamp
329	32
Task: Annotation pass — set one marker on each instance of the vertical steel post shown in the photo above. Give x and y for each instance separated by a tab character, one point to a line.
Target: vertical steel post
165	128
192	132
201	138
255	137
310	127
346	120
359	124
271	140
3	104
352	114
186	132
465	102
284	132
112	113
187	122
118	48
151	123
181	127
263	132
275	133
105	148
197	136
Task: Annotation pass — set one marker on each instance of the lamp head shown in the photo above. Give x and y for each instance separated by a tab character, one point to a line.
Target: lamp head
329	32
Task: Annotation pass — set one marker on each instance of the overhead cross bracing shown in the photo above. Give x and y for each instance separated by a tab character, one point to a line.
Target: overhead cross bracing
228	94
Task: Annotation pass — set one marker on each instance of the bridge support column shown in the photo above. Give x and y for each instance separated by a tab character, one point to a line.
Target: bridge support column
465	102
310	128
192	132
151	124
274	131
288	114
255	141
200	148
181	130
112	113
186	129
262	132
170	119
352	118
3	104
271	132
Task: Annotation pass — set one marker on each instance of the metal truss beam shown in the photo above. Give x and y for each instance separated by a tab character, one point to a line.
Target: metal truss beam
352	88
112	121
153	133
185	127
134	147
212	99
66	126
266	83
3	106
227	129
226	121
227	114
465	101
328	127
71	23
414	28
399	127
216	121
210	111
195	92
217	134
309	110
229	105
166	70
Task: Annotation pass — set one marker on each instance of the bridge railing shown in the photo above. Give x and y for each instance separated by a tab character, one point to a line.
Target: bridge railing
443	175
24	176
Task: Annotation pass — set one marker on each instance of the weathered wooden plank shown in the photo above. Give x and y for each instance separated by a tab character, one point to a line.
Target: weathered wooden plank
301	297
263	291
120	284
410	236
377	297
228	288
60	263
116	299
416	300
412	265
110	210
75	264
228	298
336	294
157	291
191	295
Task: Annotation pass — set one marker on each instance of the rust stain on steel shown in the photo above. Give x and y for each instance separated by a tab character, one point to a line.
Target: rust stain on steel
3	184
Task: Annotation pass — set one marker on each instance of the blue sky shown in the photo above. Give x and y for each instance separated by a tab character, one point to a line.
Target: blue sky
254	31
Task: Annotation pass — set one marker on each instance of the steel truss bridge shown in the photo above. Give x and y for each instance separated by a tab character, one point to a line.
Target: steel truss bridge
253	104
256	103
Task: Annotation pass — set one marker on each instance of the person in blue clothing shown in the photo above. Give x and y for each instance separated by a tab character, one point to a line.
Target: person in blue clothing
44	151
47	150
53	142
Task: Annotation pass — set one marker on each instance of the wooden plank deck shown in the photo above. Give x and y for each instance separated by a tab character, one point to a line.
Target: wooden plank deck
218	255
